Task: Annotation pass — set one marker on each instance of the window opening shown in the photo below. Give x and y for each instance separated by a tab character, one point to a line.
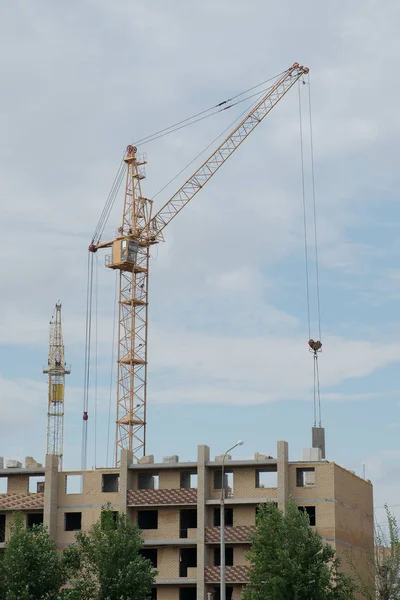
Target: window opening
36	485
34	519
151	555
266	478
3	485
73	521
73	484
187	520
154	593
228	517
228	557
228	482
187	593
2	529
188	480
310	510
187	558
148	481
147	519
110	482
228	593
305	477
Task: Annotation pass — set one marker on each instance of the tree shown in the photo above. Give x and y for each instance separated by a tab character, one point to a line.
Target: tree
108	563
380	577
31	568
289	561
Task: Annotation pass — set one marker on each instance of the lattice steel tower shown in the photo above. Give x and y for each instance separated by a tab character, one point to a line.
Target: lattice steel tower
56	370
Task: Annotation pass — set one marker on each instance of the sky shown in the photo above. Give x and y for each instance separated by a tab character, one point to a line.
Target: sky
228	334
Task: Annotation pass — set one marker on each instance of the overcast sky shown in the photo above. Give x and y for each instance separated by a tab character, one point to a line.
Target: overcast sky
228	354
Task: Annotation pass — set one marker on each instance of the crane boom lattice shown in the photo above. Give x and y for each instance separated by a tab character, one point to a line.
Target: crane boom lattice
56	371
131	253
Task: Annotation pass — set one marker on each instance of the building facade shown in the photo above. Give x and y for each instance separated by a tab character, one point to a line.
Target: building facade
176	505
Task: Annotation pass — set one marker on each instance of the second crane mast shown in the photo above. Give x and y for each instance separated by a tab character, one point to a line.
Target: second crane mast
131	254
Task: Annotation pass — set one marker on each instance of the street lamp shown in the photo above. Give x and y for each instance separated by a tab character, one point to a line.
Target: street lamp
222	526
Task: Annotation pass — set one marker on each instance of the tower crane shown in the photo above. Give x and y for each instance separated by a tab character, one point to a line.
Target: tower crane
56	370
130	255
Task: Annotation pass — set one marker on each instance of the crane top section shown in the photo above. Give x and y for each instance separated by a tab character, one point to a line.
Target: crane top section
56	363
149	230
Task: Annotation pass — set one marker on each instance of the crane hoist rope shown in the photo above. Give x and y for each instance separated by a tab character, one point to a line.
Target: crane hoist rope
314	346
130	256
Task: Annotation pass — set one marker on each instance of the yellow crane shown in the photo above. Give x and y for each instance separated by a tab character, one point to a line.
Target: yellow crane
130	255
56	370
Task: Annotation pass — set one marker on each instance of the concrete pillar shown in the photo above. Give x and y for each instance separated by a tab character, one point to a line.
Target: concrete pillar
51	494
124	479
203	456
283	474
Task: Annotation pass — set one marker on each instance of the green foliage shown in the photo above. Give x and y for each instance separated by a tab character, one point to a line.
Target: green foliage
378	576
31	568
290	562
107	562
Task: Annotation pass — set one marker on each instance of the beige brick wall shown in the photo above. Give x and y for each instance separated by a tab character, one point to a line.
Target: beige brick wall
353	490
18	484
167	592
324	482
169	479
89	502
244	514
168	525
168	563
244	485
239	552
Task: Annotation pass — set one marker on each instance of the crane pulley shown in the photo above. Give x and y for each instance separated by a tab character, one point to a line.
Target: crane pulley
130	255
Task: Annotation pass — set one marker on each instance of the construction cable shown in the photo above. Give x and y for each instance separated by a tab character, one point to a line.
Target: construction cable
96	357
88	330
303	187
112	364
194	118
314	208
315	346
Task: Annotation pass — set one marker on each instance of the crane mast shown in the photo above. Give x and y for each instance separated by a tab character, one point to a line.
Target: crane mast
56	371
131	253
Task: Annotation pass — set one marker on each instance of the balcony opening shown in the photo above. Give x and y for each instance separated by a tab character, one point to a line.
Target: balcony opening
110	482
228	592
187	520
73	484
187	593
34	519
188	480
147	481
3	485
228	482
310	510
187	558
73	521
228	557
147	519
36	485
305	477
266	478
228	517
151	555
153	593
2	529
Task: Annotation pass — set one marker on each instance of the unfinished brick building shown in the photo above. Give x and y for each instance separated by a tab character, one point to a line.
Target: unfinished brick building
176	505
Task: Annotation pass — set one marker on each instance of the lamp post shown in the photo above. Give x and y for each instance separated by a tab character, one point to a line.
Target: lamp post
222	526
